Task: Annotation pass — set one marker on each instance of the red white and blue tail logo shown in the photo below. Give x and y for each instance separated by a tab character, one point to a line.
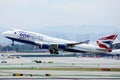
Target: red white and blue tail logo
111	37
106	42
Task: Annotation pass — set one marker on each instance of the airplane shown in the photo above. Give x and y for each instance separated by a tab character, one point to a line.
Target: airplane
55	44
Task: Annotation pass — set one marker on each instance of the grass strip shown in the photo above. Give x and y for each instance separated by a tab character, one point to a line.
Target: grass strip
77	69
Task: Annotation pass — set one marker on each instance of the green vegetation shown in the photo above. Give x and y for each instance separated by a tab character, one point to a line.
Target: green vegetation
77	69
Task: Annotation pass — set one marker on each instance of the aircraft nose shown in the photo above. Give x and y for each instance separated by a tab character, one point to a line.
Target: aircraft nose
5	33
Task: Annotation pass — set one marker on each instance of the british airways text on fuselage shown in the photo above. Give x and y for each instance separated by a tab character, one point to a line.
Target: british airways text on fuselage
30	36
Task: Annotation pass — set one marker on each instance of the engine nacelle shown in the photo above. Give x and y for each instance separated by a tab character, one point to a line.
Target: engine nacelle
61	46
47	46
44	46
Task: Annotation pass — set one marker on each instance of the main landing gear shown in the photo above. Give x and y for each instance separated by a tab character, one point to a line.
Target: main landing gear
53	50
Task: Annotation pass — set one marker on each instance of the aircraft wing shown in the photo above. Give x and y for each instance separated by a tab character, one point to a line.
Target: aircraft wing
68	44
40	42
73	44
56	46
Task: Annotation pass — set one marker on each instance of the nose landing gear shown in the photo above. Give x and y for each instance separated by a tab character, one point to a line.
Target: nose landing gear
12	42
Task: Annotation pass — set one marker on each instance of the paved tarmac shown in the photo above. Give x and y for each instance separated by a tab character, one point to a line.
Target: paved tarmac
53	78
60	73
7	69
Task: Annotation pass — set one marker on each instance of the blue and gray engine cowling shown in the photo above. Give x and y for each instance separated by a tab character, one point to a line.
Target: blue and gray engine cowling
58	46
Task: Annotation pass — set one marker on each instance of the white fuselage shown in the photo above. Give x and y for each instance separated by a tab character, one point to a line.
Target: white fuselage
24	36
114	52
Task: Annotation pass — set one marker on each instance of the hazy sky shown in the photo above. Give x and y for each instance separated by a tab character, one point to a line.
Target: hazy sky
26	14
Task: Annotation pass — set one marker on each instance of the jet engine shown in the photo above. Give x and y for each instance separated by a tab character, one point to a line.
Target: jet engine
53	48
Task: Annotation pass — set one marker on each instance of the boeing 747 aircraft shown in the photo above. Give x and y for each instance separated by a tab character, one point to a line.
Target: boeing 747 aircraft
55	44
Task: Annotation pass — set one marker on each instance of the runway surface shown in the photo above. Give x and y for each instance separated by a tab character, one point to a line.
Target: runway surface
54	78
58	67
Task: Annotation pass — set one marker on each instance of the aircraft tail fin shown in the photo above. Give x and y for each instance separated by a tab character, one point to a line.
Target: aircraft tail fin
106	42
110	37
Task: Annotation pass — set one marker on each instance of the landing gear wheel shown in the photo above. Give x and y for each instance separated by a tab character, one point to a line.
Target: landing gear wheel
12	43
53	51
56	51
